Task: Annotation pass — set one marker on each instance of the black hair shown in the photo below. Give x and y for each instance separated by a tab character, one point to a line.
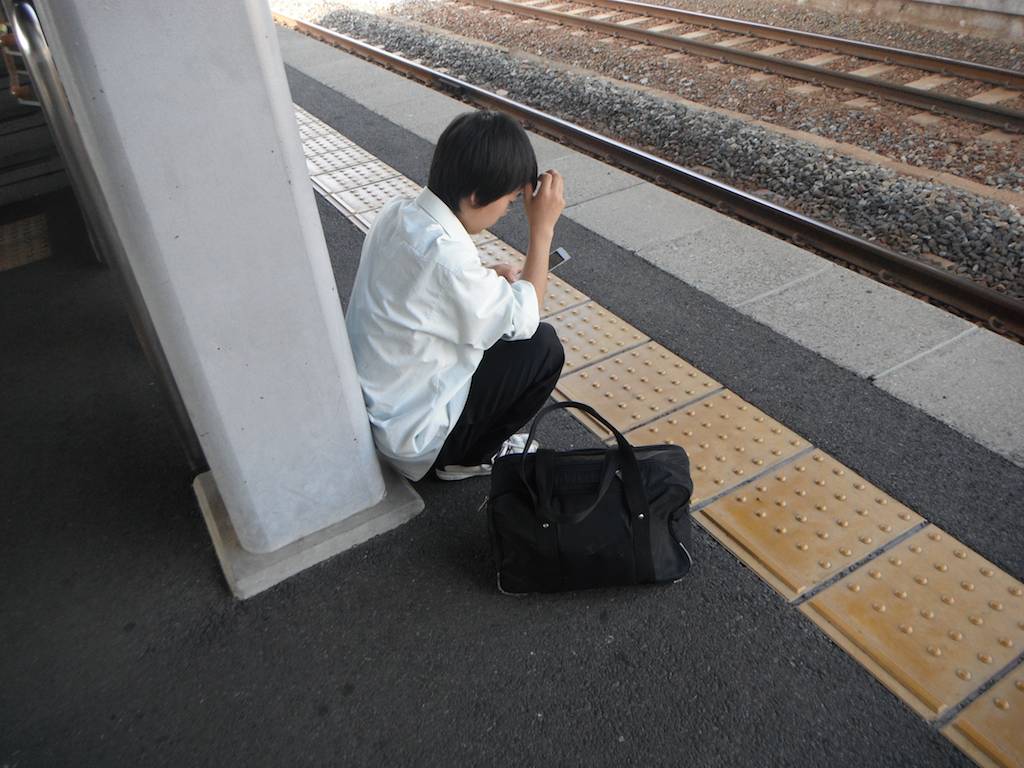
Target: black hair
483	152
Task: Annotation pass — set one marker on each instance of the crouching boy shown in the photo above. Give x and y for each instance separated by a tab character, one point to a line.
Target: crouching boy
451	355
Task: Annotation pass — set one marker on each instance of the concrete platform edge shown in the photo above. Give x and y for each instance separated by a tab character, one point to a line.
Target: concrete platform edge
248	573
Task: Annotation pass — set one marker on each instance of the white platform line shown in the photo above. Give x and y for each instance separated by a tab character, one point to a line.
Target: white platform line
784	286
919	355
598	197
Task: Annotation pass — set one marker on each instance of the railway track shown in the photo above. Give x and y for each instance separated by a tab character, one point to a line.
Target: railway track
1000	312
725	40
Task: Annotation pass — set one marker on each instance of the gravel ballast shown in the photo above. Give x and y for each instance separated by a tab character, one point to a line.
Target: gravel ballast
969	234
900	132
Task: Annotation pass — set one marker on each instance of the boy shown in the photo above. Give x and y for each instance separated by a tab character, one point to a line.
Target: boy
451	355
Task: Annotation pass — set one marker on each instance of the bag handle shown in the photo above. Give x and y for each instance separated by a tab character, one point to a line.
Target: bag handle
624	460
590	411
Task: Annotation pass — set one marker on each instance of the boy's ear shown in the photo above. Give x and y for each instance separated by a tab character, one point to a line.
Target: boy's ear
473	200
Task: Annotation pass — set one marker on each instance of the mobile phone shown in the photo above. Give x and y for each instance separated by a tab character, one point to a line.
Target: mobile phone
557	258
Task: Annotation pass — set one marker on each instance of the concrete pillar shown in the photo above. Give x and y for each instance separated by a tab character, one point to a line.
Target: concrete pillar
184	113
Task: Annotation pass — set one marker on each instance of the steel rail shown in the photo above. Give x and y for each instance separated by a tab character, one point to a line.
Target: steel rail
999	311
989	114
901	57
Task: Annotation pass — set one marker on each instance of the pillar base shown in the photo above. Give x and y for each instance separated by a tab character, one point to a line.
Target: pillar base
248	573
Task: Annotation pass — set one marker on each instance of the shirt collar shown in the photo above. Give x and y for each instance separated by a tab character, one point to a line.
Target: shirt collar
442	214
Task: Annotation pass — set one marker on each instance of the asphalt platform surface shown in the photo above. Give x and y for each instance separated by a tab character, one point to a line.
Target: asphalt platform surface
122	645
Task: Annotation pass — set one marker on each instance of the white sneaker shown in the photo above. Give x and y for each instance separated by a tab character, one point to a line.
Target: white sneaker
513	445
461	472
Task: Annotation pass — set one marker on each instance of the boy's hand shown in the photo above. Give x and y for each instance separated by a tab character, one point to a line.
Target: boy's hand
544	206
507	271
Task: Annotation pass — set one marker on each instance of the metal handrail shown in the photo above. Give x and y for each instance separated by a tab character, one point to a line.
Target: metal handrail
102	229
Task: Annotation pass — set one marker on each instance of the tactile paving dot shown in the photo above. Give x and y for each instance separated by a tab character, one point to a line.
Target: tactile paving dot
560	296
727	439
323	144
931	618
338	158
374	196
308	122
496	252
806	521
635	386
991	729
316	128
483	236
590	333
344	179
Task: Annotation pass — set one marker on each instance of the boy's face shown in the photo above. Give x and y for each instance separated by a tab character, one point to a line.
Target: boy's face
478	218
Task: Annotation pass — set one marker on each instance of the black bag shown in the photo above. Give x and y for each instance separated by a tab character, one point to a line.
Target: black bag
594	517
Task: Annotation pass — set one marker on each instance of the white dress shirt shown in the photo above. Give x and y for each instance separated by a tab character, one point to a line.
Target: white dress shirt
423	311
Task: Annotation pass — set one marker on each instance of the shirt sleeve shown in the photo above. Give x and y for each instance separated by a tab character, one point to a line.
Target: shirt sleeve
484	307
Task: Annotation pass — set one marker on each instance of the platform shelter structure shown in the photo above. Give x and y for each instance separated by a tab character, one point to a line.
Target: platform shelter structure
196	194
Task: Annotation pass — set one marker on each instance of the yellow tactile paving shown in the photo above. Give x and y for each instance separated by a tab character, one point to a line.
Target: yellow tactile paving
636	386
560	296
805	522
484	236
991	729
321	145
344	179
727	439
335	159
590	333
496	252
931	618
374	196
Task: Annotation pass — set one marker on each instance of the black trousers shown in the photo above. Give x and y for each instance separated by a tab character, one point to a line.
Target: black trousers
510	385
